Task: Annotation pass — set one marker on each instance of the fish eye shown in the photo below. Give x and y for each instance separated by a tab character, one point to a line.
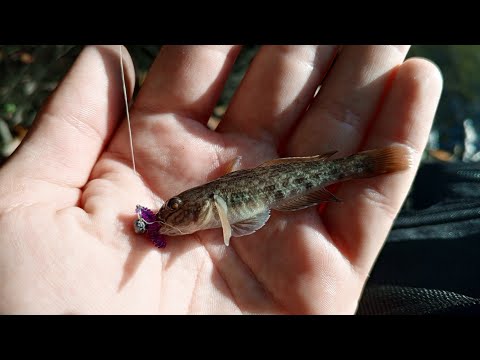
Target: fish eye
174	203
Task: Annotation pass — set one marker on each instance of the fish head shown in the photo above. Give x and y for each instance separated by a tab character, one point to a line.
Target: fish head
183	214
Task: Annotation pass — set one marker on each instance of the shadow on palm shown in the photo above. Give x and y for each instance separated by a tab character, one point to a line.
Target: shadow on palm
82	230
268	269
181	153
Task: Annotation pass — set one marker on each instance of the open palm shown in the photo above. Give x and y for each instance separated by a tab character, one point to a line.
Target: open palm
68	194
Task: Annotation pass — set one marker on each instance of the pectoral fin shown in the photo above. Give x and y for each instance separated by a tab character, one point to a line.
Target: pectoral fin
222	210
306	200
249	226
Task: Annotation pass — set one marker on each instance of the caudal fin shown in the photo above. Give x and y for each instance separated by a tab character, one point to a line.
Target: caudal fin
387	160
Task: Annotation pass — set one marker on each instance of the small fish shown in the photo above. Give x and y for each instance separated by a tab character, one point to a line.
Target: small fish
240	201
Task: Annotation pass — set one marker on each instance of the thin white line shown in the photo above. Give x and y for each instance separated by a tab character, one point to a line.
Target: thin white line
128	113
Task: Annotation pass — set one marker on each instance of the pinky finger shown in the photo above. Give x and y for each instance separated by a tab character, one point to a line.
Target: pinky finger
405	118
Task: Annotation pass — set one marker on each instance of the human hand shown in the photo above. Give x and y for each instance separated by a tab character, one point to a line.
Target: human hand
68	194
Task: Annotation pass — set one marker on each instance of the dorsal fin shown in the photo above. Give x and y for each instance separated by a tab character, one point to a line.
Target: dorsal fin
233	165
285	160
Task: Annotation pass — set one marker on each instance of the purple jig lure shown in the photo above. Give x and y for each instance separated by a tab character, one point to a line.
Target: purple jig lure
146	223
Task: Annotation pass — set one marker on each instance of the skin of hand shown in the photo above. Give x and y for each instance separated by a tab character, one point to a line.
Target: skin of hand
68	193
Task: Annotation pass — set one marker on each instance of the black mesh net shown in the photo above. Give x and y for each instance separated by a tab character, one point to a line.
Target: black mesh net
430	263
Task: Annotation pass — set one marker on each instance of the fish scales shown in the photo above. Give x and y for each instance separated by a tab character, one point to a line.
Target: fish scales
272	184
240	201
247	192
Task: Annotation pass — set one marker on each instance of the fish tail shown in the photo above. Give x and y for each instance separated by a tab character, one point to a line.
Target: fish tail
386	160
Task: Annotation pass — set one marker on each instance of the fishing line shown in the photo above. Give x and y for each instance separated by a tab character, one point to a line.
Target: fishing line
160	222
127	111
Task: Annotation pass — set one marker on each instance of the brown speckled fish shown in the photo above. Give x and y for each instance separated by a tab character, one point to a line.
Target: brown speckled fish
240	202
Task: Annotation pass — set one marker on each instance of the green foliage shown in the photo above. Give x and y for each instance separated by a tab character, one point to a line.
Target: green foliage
29	73
460	65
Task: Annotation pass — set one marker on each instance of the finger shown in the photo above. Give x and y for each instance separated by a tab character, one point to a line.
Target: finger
170	112
371	205
347	101
276	90
187	80
76	122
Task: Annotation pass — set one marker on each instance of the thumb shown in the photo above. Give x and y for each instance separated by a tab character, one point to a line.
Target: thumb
75	124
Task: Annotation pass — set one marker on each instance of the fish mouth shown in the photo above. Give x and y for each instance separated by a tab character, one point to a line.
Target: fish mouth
171	230
185	221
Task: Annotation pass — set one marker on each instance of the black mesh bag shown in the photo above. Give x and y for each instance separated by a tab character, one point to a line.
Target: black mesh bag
430	263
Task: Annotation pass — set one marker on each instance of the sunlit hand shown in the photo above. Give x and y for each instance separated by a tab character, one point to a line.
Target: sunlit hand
68	194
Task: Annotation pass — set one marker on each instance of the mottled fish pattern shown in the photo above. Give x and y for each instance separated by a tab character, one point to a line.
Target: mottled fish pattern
240	201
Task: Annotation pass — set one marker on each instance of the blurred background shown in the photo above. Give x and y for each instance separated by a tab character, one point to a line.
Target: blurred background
28	74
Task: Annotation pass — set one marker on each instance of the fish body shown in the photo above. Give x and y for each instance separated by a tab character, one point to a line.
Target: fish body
240	201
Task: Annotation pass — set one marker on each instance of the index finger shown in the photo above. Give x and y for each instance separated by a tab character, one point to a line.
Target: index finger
187	80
